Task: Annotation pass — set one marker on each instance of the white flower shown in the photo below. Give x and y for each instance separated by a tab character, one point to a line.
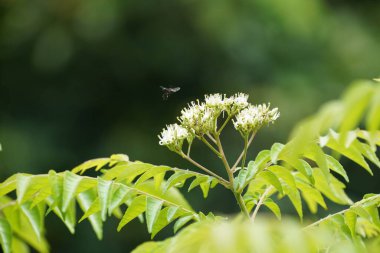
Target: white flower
241	100
173	136
235	103
228	101
253	117
214	101
198	118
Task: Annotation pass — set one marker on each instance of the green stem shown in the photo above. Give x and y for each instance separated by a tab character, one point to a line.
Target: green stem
221	180
361	202
210	146
224	124
261	201
189	148
237	195
241	203
211	138
242	153
224	159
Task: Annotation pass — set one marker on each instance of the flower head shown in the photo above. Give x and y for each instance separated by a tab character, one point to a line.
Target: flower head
214	101
235	103
253	117
172	136
198	118
241	100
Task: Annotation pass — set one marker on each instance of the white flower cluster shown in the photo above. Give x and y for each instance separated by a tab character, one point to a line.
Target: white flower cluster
214	101
234	104
200	118
173	136
253	117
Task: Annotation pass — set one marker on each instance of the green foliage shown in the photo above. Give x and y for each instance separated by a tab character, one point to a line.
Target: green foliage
307	169
139	187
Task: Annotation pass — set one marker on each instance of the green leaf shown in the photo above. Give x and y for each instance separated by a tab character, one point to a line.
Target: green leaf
104	195
85	200
275	152
373	116
150	247
182	221
132	170
311	195
56	184
35	217
22	228
137	207
240	180
374	213
19	246
92	209
289	186
152	172
205	187
29	185
302	166
161	222
116	171
284	174
118	158
8	185
172	212
177	178
70	216
254	166
350	220
163	218
335	165
333	189
118	196
158	179
352	152
273	207
197	181
98	163
41	195
172	196
5	235
367	151
361	212
271	179
315	153
356	100
71	182
295	198
373	137
153	207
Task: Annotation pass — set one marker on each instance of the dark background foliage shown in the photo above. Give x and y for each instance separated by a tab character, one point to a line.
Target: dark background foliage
80	79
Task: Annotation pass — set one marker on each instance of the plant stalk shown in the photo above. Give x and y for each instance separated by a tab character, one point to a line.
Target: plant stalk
224	125
242	153
343	211
210	146
237	195
222	181
260	203
241	203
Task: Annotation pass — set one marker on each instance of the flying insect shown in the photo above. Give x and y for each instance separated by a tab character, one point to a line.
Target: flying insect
166	92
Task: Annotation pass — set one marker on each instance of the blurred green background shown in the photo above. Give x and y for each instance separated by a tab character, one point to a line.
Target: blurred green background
80	79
